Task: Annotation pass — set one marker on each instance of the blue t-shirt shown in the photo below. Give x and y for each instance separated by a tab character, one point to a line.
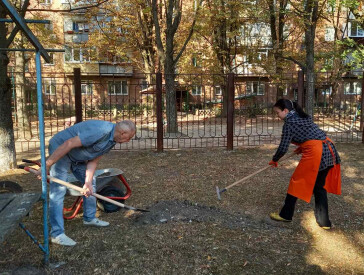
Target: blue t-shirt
97	138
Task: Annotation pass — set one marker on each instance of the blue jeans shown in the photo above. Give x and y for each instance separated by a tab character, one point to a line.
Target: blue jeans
57	191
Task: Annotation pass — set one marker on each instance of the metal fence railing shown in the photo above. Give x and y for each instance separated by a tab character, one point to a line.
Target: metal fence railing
212	110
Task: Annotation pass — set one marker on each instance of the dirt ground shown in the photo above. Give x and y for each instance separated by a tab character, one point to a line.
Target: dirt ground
188	231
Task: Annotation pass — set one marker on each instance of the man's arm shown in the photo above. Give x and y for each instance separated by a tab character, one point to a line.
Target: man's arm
90	171
61	151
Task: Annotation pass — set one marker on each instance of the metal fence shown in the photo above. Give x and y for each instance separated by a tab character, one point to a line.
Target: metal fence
212	110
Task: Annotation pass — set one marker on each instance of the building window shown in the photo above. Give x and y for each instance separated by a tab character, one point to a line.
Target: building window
218	90
144	85
262	54
196	90
45	2
329	34
352	88
86	88
51	55
356	30
255	88
49	26
80	26
107	57
49	86
327	91
26	62
286	89
77	54
195	62
118	87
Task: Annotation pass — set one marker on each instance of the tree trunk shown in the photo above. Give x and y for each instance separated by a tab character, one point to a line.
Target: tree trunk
222	52
277	23
171	109
310	75
335	91
7	145
311	8
168	57
22	115
310	70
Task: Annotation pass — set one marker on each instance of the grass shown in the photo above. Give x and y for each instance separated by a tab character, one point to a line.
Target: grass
205	236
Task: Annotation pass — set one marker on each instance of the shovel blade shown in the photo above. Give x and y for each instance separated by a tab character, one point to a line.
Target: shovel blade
135	209
141	210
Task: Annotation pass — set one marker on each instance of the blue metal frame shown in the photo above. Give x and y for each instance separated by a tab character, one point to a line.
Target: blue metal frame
42	154
22	25
33	238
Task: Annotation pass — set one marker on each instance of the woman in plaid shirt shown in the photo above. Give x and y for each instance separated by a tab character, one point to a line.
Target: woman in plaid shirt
318	171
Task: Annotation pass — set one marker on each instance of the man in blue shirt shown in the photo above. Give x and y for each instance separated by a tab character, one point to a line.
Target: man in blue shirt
79	149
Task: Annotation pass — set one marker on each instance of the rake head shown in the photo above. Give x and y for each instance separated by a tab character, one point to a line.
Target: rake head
218	192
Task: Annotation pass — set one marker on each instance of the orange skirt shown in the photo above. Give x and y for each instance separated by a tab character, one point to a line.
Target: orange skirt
304	177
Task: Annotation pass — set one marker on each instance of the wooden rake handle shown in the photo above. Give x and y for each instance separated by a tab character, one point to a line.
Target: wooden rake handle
257	172
81	190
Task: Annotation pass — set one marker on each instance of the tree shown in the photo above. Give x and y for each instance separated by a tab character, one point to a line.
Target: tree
22	115
277	21
355	48
146	43
7	36
310	12
224	23
310	17
126	31
171	15
7	144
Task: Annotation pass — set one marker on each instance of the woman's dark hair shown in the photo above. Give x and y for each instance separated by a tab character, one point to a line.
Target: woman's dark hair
290	105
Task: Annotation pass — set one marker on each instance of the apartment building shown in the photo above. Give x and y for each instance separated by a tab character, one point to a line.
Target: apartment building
106	79
109	80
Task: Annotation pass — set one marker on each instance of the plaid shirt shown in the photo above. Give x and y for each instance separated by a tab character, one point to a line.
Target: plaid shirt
298	130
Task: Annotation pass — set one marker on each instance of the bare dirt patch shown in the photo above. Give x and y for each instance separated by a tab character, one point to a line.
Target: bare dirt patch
188	212
188	231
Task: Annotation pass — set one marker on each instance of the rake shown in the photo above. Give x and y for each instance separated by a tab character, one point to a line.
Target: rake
218	191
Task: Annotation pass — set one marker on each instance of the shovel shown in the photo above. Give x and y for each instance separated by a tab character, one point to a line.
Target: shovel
79	189
218	191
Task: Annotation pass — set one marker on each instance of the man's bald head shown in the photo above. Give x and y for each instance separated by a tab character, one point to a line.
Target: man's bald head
126	126
124	131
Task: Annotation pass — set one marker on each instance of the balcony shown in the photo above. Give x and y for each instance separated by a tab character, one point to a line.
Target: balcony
67	4
106	69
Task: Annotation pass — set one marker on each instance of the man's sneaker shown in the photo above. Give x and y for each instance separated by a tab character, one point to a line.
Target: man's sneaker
276	217
96	222
62	239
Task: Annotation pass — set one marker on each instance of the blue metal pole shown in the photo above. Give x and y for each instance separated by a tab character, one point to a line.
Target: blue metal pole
32	237
42	154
